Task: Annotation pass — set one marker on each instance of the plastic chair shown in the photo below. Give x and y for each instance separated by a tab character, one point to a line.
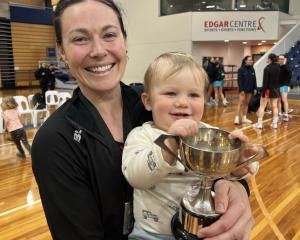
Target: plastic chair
1	118
23	107
36	111
52	99
63	97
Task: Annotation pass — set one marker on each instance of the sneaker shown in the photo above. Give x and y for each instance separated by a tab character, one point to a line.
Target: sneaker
258	125
246	120
268	112
290	110
236	120
20	155
285	118
209	104
225	104
274	125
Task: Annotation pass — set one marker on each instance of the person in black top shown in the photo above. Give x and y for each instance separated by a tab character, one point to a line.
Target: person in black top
77	152
247	86
43	74
284	82
270	90
218	82
211	73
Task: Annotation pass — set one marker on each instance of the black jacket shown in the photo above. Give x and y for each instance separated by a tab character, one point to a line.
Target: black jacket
77	165
246	79
271	76
211	71
285	75
44	75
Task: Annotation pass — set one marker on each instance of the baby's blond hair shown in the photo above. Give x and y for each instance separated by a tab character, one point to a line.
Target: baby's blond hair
168	64
8	103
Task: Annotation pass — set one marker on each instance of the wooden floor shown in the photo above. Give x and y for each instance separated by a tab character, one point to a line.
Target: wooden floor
275	191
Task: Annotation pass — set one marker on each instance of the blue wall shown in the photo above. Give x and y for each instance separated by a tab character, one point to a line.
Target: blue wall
31	15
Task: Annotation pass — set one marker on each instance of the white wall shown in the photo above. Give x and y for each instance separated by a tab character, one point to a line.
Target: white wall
150	35
294	7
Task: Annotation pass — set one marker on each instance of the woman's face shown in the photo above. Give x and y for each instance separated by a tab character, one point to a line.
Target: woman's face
249	61
93	46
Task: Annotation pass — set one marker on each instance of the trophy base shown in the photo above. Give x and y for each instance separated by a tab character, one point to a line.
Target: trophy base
178	230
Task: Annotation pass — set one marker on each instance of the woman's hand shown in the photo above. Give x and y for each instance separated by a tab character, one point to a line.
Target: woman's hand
236	222
247	150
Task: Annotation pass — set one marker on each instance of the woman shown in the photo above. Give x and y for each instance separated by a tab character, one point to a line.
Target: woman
270	90
284	82
76	154
247	85
219	82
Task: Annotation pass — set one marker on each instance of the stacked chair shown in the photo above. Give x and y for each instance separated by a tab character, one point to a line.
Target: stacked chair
23	108
1	118
36	112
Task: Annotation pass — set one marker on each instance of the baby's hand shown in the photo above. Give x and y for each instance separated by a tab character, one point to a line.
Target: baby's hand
246	152
184	128
181	128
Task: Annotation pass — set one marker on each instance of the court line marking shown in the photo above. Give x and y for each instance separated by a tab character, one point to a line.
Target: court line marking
270	216
19	208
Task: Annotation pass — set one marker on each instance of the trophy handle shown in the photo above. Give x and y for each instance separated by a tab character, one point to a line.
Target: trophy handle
160	141
262	152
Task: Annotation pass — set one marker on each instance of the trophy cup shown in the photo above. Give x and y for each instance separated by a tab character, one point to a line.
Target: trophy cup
209	155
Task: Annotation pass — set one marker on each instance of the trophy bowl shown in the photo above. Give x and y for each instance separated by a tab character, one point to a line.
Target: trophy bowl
209	155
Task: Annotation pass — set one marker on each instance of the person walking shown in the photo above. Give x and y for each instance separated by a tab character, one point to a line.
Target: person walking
246	86
12	123
284	82
270	91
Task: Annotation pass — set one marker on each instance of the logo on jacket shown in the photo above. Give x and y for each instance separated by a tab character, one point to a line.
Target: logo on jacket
77	135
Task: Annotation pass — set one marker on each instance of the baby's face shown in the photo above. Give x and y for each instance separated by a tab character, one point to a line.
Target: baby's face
181	96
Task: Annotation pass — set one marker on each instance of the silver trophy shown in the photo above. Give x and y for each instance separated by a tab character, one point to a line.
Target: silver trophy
210	155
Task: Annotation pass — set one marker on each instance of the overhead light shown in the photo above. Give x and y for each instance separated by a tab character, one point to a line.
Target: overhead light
210	6
244	42
263	41
226	40
171	6
259	44
203	2
243	5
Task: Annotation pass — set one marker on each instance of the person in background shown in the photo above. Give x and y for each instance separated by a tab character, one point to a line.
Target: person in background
247	86
174	92
77	152
52	70
211	72
218	82
13	125
43	74
284	82
270	90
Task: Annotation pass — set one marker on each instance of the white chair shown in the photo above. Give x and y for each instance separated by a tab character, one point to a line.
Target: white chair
63	97
1	118
36	111
52	99
23	107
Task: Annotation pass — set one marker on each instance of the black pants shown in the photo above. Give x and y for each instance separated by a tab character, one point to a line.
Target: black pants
19	136
44	88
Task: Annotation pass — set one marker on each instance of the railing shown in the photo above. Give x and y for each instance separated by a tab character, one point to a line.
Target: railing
281	47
